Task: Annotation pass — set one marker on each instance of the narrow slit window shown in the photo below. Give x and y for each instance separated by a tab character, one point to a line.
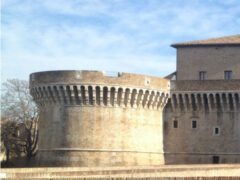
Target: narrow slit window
216	131
175	124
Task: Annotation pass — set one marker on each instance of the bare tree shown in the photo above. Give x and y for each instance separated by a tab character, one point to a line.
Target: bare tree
31	137
8	130
19	109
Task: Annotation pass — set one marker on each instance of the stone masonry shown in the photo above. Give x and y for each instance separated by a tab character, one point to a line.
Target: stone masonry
90	119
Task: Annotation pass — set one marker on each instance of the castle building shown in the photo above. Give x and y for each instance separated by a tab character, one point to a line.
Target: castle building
91	118
202	118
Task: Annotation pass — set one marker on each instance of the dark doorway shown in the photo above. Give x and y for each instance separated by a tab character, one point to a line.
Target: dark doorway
215	159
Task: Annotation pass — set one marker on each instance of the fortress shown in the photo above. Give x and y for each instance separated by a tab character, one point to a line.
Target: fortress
89	118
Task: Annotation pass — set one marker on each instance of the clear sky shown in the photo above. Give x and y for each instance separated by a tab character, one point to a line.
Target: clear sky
113	35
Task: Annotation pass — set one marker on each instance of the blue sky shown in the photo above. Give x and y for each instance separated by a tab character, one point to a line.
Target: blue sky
113	35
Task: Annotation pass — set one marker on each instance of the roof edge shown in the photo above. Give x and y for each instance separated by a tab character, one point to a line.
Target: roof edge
204	45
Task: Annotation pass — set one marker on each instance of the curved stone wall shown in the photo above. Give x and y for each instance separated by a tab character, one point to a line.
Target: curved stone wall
88	118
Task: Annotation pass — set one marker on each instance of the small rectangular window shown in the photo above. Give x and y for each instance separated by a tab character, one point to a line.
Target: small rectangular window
215	159
202	75
175	124
216	131
228	75
194	124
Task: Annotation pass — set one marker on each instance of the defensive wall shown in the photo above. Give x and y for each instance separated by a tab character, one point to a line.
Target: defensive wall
207	122
90	119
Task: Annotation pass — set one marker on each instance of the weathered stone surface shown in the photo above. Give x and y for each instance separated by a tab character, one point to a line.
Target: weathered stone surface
212	59
97	120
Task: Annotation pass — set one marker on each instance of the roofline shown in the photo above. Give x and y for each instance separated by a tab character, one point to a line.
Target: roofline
204	45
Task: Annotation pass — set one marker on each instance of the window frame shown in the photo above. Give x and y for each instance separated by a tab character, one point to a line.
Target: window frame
228	75
202	75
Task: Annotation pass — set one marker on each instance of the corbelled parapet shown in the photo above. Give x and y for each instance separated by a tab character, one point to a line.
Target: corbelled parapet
91	118
125	90
212	95
99	95
205	101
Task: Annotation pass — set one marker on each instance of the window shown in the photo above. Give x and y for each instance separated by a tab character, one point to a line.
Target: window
215	159
216	131
202	75
175	124
194	124
228	75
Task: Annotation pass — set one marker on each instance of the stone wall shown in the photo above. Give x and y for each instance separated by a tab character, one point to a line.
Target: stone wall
214	60
206	85
210	107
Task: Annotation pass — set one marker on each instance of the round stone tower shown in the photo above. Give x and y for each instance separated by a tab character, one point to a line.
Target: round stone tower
89	118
